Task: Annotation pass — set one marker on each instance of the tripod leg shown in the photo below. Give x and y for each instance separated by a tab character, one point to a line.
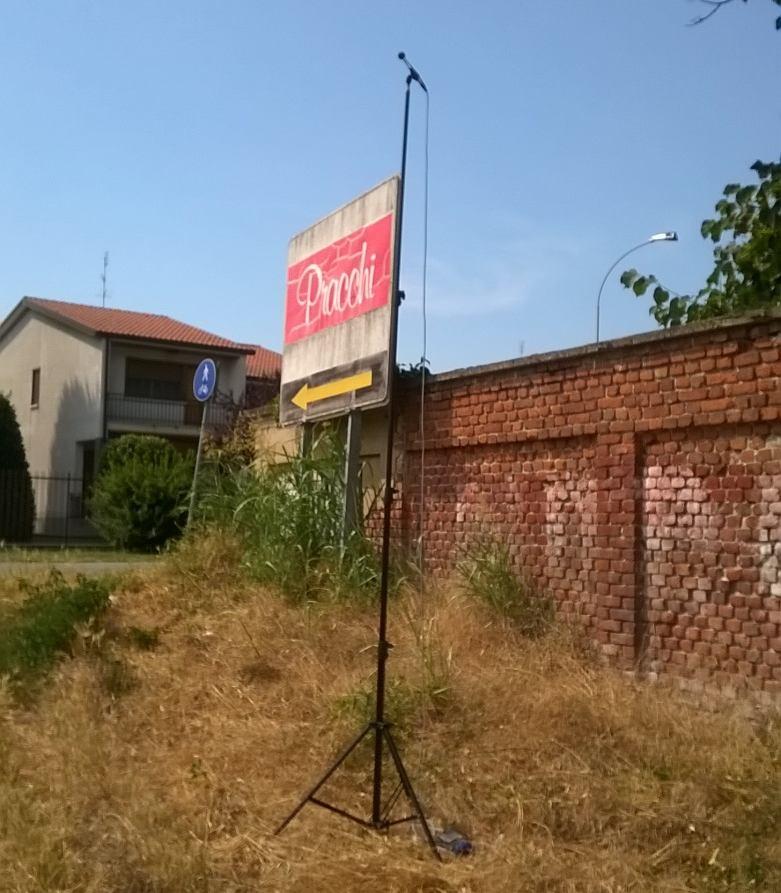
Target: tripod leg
324	778
410	792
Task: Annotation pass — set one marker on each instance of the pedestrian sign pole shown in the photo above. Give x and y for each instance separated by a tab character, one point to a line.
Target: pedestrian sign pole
204	383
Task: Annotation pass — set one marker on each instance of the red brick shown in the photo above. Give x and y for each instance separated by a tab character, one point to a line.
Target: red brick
517	453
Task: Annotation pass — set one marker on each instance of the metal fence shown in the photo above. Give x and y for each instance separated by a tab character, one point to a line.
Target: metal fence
59	509
164	413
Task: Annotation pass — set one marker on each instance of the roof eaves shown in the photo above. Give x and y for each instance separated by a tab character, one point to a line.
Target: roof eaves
10	321
184	345
45	310
33	306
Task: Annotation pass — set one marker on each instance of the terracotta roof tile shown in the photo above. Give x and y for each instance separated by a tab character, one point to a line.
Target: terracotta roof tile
132	324
264	363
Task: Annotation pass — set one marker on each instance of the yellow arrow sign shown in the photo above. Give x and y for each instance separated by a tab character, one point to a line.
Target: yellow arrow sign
357	382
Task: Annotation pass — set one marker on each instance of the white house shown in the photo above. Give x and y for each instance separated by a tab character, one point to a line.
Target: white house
79	375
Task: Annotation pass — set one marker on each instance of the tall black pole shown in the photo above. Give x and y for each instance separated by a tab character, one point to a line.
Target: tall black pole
382	640
380	818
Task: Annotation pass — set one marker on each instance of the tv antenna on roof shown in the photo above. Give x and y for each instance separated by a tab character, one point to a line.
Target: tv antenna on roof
103	277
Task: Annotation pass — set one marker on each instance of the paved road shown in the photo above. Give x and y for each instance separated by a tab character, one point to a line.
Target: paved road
87	568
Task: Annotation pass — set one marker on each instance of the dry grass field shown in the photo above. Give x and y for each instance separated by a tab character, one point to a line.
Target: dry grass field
160	755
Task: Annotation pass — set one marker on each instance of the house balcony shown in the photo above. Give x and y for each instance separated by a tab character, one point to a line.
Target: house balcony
144	414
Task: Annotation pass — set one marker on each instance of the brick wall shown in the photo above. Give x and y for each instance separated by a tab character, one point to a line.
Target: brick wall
639	481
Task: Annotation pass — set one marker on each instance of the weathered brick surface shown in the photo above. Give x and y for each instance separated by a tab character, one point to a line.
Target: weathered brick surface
541	498
711	549
640	482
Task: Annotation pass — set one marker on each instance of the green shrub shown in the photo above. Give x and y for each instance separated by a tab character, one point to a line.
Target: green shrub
140	496
426	692
35	631
489	574
288	518
17	504
406	703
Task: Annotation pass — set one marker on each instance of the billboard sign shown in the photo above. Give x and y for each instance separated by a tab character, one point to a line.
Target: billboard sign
338	310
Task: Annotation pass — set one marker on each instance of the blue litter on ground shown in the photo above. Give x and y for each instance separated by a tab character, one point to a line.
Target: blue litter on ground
453	841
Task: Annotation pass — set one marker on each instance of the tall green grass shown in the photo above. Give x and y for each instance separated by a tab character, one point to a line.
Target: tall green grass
288	518
490	575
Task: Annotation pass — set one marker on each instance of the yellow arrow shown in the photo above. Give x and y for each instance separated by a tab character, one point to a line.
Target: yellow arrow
307	395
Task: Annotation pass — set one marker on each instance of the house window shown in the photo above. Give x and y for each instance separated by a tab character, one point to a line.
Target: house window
157	380
36	388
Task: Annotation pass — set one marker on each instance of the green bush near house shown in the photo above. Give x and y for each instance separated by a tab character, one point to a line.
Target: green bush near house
139	499
17	504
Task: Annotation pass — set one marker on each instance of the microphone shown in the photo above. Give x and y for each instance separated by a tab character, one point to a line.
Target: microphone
413	72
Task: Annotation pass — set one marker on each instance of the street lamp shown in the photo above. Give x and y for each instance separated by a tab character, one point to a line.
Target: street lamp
656	237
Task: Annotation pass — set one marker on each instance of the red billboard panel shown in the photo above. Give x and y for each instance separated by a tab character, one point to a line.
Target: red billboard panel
348	278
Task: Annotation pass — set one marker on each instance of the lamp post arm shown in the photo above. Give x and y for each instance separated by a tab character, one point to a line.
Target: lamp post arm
599	294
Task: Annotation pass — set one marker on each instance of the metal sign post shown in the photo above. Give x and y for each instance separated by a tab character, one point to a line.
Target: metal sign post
204	384
378	728
352	506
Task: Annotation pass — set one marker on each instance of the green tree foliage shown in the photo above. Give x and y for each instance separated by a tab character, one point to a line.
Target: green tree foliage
713	6
140	496
746	272
17	505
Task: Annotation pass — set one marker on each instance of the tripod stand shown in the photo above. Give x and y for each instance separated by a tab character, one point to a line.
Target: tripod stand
378	728
380	819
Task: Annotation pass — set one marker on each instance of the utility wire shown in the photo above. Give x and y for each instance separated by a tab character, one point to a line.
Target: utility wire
424	359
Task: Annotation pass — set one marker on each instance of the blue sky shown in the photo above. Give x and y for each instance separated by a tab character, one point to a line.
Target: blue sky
192	139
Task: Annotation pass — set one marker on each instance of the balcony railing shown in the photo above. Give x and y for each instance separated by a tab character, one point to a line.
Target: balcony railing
164	413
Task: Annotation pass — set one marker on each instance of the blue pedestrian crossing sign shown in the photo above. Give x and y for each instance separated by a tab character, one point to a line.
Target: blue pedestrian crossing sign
204	380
